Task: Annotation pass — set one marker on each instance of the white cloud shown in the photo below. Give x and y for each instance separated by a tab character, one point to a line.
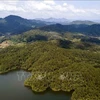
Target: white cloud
50	2
10	6
64	4
44	8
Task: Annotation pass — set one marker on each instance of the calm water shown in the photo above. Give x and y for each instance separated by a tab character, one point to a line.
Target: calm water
12	88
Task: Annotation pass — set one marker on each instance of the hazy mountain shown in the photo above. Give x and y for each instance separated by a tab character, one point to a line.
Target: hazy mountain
91	30
86	22
51	20
15	24
65	21
97	21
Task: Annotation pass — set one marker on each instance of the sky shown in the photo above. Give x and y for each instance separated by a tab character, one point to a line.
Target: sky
69	9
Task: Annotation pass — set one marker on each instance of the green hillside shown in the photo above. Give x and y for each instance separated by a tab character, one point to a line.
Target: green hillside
65	40
57	68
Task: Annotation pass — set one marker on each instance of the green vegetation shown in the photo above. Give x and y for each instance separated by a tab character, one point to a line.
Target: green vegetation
65	40
35	35
55	67
59	57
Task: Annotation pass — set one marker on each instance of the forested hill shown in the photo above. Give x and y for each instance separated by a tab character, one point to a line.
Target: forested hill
91	30
14	24
56	68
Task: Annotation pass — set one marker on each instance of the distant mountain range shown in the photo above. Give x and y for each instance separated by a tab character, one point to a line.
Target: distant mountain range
16	25
62	21
91	30
86	22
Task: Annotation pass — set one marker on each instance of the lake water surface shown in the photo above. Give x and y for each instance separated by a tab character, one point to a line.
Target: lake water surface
12	88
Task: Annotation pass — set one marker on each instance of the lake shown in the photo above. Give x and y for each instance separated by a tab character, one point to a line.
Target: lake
12	88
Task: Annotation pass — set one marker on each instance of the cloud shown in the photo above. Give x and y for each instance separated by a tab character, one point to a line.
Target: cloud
50	2
10	6
45	9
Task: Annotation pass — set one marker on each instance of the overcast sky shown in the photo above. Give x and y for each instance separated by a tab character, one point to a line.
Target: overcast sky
69	9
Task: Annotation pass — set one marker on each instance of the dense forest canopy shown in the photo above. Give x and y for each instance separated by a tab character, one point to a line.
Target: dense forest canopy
55	67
